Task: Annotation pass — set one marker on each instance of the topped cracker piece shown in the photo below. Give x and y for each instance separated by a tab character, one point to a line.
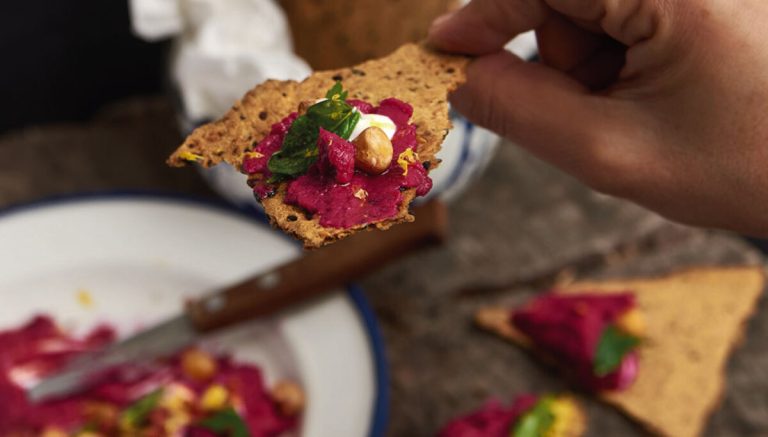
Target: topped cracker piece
527	415
413	78
693	321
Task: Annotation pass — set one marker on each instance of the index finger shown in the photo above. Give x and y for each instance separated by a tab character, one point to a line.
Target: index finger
485	26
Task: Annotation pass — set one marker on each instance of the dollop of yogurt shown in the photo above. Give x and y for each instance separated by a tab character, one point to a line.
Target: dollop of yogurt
370	120
374	120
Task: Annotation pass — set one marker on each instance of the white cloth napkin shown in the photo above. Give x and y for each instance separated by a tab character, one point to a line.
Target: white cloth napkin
223	48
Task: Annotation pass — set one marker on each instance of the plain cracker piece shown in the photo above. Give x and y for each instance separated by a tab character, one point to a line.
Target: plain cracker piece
694	318
413	73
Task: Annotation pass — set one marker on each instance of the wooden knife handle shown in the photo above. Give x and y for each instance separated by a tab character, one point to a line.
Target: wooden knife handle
318	271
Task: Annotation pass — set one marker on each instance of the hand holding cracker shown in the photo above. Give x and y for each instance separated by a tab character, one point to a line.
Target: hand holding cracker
661	102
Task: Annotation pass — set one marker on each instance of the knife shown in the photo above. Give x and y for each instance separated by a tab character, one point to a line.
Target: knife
309	276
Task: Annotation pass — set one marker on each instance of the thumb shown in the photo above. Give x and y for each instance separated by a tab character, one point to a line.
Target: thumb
551	115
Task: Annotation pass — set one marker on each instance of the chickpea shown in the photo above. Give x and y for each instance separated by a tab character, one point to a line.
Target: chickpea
373	151
214	398
101	414
47	432
198	365
289	397
632	322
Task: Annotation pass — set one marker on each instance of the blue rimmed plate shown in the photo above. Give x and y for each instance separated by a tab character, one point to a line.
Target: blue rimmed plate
131	259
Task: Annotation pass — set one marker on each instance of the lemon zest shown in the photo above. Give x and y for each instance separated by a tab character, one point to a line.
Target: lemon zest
408	156
254	155
189	156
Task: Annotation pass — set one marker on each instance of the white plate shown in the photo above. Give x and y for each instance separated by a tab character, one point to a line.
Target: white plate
138	256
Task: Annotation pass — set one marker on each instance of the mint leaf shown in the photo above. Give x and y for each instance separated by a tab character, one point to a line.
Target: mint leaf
226	422
298	152
345	128
611	349
336	92
138	412
335	116
299	149
535	422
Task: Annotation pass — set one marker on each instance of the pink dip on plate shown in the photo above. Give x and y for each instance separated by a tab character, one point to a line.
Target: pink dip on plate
40	347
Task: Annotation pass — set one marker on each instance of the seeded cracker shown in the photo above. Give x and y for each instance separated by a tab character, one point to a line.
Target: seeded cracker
413	74
694	318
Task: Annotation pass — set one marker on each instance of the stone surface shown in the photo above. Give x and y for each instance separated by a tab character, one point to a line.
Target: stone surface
123	148
522	226
542	226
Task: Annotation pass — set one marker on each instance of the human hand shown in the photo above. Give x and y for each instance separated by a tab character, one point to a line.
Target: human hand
662	102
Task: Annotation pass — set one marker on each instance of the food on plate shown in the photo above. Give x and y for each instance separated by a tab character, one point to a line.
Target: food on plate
690	323
192	394
529	415
341	151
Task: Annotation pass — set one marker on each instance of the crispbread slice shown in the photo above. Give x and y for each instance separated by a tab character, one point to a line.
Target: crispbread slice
695	318
413	73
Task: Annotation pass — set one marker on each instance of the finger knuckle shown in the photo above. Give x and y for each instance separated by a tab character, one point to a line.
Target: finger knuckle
611	166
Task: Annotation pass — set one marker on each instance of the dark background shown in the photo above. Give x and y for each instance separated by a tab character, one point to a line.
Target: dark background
64	59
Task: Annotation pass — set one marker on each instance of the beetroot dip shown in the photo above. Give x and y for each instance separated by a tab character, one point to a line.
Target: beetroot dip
333	190
40	347
492	420
569	327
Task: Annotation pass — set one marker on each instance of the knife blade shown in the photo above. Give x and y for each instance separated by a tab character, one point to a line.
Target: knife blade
171	335
307	277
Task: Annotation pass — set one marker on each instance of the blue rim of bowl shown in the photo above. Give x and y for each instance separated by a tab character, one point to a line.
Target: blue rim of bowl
380	414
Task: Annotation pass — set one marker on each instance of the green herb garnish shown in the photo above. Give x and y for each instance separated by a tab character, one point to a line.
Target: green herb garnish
611	349
336	116
226	422
298	153
535	422
137	413
299	150
336	92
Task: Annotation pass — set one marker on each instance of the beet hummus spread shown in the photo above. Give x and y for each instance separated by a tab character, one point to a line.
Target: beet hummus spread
345	161
528	416
593	336
192	394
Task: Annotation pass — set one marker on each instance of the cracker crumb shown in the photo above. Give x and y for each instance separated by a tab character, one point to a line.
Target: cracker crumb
361	194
